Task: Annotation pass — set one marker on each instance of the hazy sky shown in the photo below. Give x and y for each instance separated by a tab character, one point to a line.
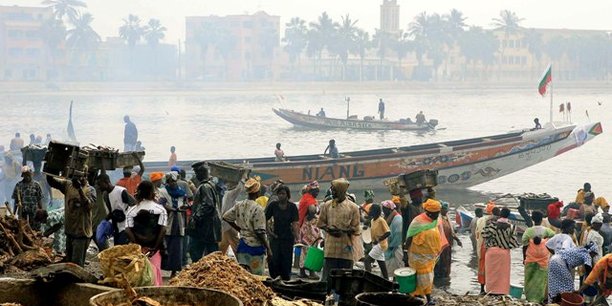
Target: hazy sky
585	14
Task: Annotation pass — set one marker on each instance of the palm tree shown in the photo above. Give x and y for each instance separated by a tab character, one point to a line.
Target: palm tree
320	35
224	44
82	36
83	39
383	40
345	41
363	43
534	43
455	23
65	8
131	30
509	22
154	32
477	46
296	38
53	33
402	46
430	37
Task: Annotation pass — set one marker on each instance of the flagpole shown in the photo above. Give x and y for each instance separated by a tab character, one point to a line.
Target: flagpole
551	99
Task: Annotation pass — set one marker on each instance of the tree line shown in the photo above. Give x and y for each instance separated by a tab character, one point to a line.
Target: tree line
339	49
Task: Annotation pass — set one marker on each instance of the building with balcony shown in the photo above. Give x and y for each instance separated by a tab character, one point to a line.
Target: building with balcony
232	48
24	52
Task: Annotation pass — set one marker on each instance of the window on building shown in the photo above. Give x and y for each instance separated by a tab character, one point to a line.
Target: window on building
31	34
523	60
14	33
511	43
32	53
15	52
504	43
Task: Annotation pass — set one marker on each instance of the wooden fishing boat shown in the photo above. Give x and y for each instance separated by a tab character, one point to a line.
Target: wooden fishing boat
310	121
461	163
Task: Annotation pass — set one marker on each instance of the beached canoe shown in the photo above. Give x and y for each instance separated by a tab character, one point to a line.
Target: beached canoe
460	163
310	121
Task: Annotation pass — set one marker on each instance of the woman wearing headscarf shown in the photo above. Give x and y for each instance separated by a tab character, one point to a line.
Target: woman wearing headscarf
535	256
424	244
380	233
443	267
564	240
601	275
561	266
284	234
492	213
309	234
394	256
499	239
173	198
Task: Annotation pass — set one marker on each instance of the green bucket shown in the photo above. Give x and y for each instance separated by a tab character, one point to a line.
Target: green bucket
314	259
406	278
516	291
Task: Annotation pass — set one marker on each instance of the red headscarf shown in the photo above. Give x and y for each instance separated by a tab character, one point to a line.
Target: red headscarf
554	210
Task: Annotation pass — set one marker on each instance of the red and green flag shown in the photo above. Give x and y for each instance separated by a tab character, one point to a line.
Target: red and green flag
546	79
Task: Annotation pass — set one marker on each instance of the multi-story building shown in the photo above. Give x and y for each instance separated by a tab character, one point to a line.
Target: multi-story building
24	54
232	48
389	16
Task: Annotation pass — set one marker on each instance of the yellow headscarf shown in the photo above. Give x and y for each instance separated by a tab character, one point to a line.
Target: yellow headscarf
432	205
601	202
396	199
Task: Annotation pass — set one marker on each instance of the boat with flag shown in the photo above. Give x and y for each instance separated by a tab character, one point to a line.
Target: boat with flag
352	123
460	163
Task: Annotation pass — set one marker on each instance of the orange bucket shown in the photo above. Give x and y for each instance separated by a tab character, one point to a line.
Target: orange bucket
571	299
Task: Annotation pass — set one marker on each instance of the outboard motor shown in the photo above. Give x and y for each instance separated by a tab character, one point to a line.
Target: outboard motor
433	122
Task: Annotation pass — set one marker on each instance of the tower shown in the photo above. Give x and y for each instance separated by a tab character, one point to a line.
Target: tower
389	16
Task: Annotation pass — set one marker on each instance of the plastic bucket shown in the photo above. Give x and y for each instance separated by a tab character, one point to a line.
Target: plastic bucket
386	299
314	259
297	251
571	299
169	296
406	278
516	291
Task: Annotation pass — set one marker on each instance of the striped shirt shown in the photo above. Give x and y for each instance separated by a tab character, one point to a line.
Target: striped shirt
499	234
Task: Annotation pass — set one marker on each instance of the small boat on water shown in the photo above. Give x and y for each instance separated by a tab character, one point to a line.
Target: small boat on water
352	123
460	163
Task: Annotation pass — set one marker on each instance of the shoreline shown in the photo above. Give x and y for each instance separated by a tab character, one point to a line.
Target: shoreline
202	88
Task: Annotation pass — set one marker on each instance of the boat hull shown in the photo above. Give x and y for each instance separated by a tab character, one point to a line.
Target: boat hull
461	164
316	122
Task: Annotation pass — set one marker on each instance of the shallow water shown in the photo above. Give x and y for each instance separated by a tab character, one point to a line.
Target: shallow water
242	124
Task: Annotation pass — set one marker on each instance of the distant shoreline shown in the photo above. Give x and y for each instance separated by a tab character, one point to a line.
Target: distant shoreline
202	88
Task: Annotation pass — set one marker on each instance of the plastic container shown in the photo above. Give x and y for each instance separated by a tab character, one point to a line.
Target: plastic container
406	278
349	283
387	299
314	258
571	299
516	291
169	295
540	204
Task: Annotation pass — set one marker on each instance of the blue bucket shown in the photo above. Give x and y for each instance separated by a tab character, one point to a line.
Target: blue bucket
516	291
297	251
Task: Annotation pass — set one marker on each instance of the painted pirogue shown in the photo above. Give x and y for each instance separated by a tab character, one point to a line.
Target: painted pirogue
461	163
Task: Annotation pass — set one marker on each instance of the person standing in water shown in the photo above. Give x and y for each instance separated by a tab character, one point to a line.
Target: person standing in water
381	109
130	135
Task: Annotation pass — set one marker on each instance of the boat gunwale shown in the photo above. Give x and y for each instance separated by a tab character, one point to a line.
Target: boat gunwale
281	112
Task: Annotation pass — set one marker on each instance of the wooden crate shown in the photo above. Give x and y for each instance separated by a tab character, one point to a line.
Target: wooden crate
227	172
420	179
64	160
126	159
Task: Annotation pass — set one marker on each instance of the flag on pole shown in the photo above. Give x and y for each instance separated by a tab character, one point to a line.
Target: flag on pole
546	79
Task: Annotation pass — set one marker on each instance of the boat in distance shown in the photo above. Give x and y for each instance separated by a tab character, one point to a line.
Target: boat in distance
460	163
353	123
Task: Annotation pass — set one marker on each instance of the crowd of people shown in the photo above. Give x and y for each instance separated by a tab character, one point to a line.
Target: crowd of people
177	220
557	245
